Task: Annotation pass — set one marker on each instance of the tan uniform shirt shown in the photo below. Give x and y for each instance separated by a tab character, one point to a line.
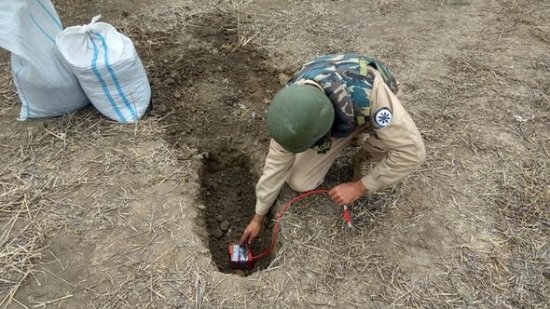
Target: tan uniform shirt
400	140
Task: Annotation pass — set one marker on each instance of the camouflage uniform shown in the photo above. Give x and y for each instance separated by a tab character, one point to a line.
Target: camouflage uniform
362	91
345	79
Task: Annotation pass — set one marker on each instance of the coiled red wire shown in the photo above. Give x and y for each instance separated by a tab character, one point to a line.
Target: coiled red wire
280	215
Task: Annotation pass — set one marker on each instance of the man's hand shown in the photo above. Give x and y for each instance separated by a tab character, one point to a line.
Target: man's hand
252	230
347	193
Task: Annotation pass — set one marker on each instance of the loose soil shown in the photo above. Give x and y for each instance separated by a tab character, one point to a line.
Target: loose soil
213	85
216	72
94	214
229	197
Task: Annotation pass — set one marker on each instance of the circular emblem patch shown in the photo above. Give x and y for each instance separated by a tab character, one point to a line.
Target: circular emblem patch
382	117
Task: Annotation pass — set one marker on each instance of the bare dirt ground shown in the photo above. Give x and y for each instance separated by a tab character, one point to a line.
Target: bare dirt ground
95	214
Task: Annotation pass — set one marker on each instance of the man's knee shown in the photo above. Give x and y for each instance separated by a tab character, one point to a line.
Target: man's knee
302	184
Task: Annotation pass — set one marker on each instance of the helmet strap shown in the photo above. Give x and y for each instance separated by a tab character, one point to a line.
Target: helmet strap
323	144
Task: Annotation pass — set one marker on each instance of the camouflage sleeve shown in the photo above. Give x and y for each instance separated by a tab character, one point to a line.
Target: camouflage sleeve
335	88
387	75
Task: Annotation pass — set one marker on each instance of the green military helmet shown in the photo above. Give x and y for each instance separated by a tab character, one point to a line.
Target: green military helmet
299	116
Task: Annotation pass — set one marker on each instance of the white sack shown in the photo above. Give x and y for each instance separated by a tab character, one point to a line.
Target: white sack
108	68
45	84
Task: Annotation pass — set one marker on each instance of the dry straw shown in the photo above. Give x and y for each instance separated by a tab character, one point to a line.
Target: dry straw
469	229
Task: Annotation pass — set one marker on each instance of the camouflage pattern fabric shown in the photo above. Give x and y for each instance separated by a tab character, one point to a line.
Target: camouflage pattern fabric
347	82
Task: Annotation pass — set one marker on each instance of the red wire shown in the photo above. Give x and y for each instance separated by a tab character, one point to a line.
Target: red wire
280	215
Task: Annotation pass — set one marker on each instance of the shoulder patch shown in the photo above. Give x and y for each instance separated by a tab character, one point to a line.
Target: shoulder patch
382	117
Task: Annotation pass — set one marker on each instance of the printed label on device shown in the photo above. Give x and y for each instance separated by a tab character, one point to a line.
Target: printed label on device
240	257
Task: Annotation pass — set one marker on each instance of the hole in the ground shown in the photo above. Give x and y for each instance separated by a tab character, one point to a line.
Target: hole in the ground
229	198
206	85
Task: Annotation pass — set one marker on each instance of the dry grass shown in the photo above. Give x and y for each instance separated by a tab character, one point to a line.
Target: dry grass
71	198
509	200
64	177
104	215
22	234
